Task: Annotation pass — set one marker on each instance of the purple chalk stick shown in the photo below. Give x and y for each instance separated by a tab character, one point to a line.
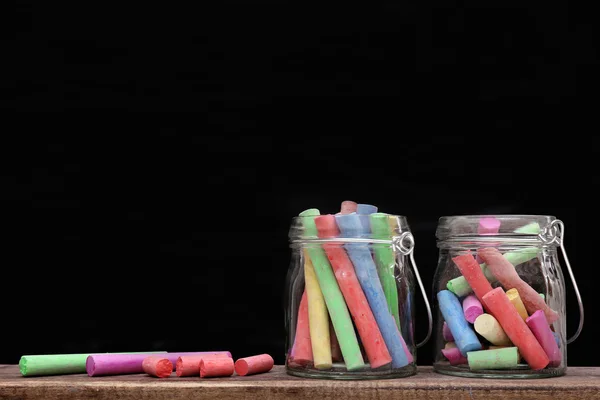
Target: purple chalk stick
123	364
472	308
446	333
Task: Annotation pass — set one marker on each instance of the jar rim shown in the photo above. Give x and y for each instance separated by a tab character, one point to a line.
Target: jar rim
514	226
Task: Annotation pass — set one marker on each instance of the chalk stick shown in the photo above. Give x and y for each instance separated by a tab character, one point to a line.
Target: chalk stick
531	229
471	271
338	312
157	366
357	303
464	336
446	333
216	367
505	358
450	345
460	287
543	296
301	352
493	347
59	364
489	327
366	271
190	365
122	364
363	211
538	324
515	299
472	308
348	207
515	328
488	226
508	276
317	317
254	365
386	262
454	356
557	338
336	352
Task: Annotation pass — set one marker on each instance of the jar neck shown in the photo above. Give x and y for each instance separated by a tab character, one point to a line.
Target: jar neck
476	242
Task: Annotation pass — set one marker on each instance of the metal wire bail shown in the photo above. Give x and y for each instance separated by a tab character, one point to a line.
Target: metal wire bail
398	245
555	233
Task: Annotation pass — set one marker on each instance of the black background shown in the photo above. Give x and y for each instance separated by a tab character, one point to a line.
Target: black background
152	212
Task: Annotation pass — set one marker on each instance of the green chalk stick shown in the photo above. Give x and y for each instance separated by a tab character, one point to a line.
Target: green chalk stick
505	358
60	364
460	287
338	311
543	296
532	229
385	261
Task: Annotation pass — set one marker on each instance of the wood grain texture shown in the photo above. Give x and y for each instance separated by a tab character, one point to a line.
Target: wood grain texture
579	383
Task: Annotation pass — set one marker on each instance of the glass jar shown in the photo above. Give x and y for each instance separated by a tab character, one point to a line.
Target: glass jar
499	297
349	297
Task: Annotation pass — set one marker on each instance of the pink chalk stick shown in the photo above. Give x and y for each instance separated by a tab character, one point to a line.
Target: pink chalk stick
454	356
348	207
122	364
488	226
538	324
472	308
446	333
409	356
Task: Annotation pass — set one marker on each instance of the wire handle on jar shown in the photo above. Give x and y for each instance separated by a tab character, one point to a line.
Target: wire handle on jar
398	244
554	234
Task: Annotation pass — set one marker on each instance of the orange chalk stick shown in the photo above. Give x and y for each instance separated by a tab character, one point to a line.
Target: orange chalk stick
215	367
357	303
157	366
254	365
515	328
470	269
301	352
190	365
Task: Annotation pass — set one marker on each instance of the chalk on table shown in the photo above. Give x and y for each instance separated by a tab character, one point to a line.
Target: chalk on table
454	356
488	327
515	328
446	333
190	365
515	299
472	308
538	324
216	367
254	365
464	336
471	271
508	276
301	352
505	358
157	366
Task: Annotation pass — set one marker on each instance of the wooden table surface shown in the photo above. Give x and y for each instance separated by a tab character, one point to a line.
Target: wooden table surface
579	383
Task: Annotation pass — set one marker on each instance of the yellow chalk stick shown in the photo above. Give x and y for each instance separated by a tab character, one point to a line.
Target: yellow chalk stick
515	299
488	327
318	319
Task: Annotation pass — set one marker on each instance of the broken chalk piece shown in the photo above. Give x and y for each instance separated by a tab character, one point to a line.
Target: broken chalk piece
488	327
488	226
254	365
215	367
454	356
505	358
157	366
472	308
190	365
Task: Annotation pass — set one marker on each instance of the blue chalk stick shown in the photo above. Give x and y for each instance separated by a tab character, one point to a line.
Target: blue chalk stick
363	211
464	336
366	271
556	338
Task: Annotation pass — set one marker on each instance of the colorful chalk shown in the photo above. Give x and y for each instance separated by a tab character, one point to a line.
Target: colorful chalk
451	309
529	229
472	308
446	333
157	366
348	207
492	347
471	271
364	211
190	365
336	352
366	271
460	287
488	327
538	324
505	358
338	312
254	365
508	276
357	303
318	318
301	352
216	367
488	226
386	262
454	356
122	364
515	299
515	328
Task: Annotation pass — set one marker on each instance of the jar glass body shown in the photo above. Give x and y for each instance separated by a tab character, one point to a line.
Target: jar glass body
349	304
499	295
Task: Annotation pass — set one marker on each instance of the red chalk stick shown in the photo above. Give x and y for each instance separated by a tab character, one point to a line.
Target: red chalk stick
336	351
190	365
254	365
157	366
301	352
214	367
470	269
348	207
356	300
515	328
